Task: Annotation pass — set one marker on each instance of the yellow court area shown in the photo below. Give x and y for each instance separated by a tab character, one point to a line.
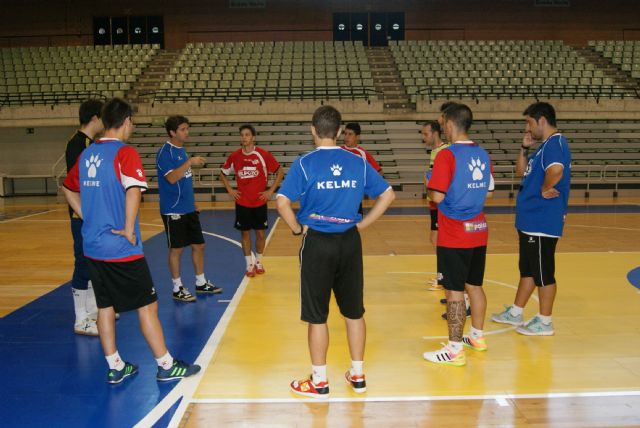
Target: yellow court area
595	349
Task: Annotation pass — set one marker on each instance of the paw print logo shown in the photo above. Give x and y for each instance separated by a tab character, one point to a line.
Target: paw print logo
93	163
476	167
336	169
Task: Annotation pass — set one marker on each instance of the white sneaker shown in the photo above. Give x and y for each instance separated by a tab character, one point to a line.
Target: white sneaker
86	327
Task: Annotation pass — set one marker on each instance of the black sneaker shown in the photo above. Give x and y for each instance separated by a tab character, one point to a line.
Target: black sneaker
208	287
183	295
178	370
443	301
444	315
116	376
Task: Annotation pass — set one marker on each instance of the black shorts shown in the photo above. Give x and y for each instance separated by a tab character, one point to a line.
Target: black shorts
124	285
182	229
460	266
251	218
434	219
537	258
331	261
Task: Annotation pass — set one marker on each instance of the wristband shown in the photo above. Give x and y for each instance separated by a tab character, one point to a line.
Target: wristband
526	149
298	233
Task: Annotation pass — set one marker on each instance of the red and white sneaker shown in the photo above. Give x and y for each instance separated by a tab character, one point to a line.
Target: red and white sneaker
251	271
307	388
259	268
357	382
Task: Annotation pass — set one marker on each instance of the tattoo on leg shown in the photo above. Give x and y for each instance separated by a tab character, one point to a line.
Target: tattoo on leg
456	316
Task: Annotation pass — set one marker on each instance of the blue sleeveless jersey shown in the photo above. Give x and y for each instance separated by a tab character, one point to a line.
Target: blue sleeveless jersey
470	183
175	198
330	183
102	195
535	214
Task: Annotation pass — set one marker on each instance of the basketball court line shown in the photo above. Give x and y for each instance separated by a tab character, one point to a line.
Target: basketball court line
497	397
187	387
29	215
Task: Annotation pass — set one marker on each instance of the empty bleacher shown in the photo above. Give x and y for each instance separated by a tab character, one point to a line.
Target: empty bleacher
71	74
624	54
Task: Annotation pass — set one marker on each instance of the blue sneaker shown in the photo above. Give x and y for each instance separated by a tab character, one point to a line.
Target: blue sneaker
535	327
178	370
116	376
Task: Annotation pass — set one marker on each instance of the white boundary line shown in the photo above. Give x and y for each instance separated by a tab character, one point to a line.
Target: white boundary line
187	387
499	398
28	215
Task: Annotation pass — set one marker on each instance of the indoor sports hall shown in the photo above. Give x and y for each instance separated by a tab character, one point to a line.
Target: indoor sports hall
271	63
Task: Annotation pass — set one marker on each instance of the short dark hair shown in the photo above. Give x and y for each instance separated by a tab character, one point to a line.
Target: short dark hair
354	126
249	127
174	122
435	126
446	105
460	115
115	112
538	110
326	120
88	109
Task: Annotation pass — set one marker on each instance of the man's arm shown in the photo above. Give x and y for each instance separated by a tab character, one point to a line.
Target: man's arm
382	203
436	196
225	181
73	199
266	195
283	204
552	176
522	161
178	173
131	207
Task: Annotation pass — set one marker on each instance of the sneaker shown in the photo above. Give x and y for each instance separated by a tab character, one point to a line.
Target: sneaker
357	382
208	287
432	285
307	388
86	327
479	344
535	327
178	370
183	295
251	271
116	376
505	317
446	356
444	315
259	268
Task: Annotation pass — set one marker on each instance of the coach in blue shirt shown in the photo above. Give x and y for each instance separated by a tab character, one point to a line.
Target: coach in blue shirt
541	207
330	183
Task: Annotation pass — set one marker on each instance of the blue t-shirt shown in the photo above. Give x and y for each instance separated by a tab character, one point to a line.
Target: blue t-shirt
176	198
106	169
535	214
330	183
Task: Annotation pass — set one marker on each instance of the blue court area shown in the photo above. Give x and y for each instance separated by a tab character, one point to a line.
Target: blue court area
53	377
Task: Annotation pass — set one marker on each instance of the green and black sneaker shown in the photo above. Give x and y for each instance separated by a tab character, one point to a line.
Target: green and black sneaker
116	376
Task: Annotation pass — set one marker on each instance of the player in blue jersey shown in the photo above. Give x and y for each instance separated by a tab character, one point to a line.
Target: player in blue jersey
178	208
541	208
461	181
104	188
329	183
84	300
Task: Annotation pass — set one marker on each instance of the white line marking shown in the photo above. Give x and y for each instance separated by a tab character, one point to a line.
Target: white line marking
486	333
502	402
224	301
27	216
418	398
187	387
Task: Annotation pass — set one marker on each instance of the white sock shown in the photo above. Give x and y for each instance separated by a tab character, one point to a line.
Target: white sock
456	347
166	361
79	303
200	280
475	333
466	301
356	367
90	302
177	283
546	319
249	260
318	374
115	362
515	310
258	257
